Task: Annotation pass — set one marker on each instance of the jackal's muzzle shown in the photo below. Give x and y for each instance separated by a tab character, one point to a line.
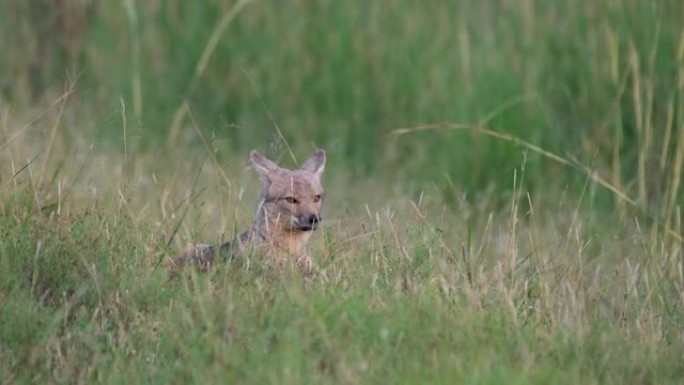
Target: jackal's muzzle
308	222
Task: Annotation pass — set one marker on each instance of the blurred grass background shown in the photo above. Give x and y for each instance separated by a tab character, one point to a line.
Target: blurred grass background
597	82
553	130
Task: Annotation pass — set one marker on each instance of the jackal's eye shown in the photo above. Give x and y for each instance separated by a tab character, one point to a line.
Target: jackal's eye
291	200
317	198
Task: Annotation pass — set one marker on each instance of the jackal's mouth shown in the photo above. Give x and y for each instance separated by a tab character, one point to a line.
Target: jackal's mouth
308	228
308	224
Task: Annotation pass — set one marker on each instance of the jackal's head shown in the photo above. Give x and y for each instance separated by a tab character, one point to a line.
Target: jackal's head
292	199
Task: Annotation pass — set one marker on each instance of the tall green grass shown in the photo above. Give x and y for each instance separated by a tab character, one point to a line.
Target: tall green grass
503	190
599	82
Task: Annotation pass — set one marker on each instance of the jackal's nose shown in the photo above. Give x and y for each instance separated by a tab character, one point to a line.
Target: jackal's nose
313	219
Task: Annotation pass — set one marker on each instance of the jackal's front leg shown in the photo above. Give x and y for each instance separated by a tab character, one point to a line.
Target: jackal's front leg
305	265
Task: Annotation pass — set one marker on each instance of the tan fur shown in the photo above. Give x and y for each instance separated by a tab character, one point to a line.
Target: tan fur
289	211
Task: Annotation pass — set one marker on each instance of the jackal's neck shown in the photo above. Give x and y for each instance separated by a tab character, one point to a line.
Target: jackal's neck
268	229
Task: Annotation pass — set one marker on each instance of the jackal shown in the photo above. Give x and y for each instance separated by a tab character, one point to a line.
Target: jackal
288	213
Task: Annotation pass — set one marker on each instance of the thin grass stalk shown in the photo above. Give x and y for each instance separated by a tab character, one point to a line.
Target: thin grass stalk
637	104
616	159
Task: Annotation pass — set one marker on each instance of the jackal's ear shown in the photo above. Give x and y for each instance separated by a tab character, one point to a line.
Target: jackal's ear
263	166
315	164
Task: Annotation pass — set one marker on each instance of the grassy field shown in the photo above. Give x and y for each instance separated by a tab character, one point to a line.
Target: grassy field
503	190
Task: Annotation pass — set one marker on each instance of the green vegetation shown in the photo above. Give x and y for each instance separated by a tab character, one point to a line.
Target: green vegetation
503	190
